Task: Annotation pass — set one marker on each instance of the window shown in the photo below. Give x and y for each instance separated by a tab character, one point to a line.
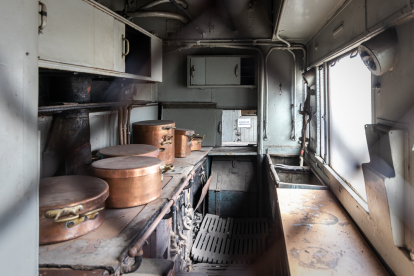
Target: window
350	110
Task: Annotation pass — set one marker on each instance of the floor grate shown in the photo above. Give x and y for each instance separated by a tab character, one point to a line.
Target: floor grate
229	241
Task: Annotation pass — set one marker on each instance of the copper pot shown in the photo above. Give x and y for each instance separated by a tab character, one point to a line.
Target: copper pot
159	133
183	142
129	150
70	206
133	180
196	142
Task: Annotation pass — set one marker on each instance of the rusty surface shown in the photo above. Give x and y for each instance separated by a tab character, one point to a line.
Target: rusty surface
320	237
108	245
129	150
156	132
66	191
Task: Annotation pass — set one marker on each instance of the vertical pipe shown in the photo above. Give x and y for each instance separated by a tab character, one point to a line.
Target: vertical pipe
293	98
121	138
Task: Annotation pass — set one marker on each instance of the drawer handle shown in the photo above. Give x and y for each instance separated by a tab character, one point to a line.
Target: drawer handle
127	47
236	70
91	215
56	214
167	140
43	17
192	71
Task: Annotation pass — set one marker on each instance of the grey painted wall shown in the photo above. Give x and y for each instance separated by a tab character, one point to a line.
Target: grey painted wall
232	133
19	158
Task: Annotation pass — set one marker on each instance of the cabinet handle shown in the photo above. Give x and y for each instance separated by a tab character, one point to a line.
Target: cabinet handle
220	128
192	71
43	17
127	46
236	70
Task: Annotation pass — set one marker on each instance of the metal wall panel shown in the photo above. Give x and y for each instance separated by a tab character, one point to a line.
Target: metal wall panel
19	144
231	133
378	12
202	121
103	129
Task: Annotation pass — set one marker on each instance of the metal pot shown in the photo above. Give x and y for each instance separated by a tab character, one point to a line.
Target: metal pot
196	142
133	180
70	206
129	150
159	133
183	142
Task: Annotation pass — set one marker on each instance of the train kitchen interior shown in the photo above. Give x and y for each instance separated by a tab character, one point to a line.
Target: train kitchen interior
206	137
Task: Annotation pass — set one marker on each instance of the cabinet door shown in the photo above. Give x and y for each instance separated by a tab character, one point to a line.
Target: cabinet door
223	71
79	34
198	71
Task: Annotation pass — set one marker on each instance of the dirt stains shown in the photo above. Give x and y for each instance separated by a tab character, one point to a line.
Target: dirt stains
344	223
315	257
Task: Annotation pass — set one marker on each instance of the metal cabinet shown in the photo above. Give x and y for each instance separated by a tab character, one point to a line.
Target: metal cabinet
84	36
220	71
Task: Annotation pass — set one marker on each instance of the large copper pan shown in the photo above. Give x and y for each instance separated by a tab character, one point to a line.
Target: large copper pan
129	150
183	142
70	206
133	180
196	142
159	133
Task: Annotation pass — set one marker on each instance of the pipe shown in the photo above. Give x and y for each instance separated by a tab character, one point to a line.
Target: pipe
121	138
136	249
157	2
293	98
161	14
125	117
282	10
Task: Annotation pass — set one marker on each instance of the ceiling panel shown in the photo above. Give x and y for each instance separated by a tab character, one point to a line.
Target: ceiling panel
303	18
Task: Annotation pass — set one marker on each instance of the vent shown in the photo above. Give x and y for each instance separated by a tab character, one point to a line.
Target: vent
230	241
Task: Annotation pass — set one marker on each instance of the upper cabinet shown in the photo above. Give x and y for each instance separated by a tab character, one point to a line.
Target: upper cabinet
221	71
84	36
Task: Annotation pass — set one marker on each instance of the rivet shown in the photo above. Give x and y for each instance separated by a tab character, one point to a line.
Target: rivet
71	223
85	218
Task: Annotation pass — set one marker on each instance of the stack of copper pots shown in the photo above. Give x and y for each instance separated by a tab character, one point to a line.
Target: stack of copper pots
159	133
183	142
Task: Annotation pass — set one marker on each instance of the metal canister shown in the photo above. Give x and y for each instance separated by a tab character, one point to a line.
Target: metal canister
183	142
159	133
70	206
196	142
132	180
129	150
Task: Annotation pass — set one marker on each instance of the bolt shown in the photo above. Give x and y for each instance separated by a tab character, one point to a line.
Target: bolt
85	218
71	223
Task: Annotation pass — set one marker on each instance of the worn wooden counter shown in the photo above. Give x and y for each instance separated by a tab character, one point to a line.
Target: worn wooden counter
106	247
320	237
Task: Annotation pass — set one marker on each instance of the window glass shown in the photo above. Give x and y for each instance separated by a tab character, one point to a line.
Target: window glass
350	105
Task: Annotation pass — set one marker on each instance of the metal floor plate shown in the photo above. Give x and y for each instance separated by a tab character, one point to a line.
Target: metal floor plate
230	241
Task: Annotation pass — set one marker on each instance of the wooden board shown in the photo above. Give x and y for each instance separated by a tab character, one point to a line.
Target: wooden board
320	237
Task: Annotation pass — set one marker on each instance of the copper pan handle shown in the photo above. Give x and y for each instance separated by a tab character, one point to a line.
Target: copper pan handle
56	214
168	127
167	140
91	215
166	168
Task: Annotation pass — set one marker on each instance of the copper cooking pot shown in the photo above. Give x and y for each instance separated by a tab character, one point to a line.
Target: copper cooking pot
129	150
183	142
70	206
159	133
196	142
133	180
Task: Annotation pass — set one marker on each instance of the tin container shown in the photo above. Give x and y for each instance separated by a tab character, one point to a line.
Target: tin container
132	180
70	206
159	133
183	142
129	150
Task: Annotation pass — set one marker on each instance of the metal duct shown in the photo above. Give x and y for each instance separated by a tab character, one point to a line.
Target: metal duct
380	53
161	14
157	2
310	78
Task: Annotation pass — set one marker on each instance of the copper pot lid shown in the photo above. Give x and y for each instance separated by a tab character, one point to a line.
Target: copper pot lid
154	125
71	190
183	131
125	167
129	150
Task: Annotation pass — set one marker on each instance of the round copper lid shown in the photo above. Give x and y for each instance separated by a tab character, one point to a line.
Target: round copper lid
129	150
183	131
71	190
125	167
153	124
